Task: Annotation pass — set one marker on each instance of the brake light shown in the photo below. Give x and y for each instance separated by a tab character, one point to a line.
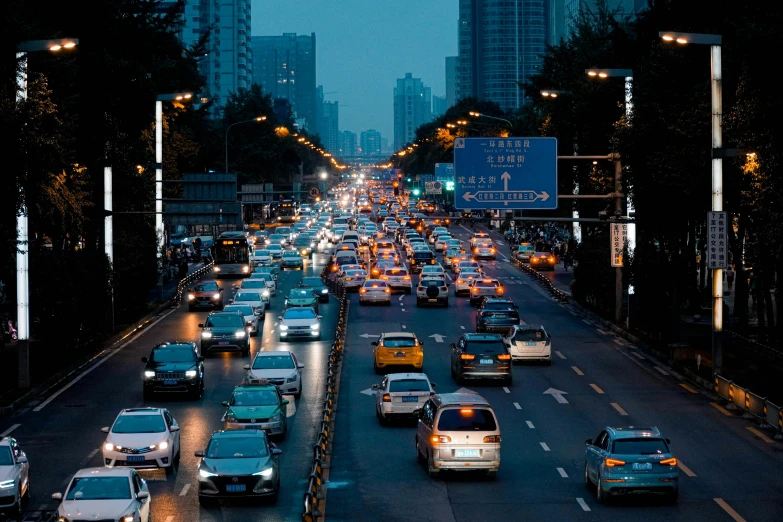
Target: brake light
668	462
440	439
500	289
492	438
467	357
504	357
407	278
610	463
388	291
386	397
385	278
460	281
475	290
363	290
551	259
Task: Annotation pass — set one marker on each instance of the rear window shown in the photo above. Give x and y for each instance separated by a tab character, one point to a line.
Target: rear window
403	342
409	385
347	260
486	284
396	272
481	347
529	335
431	282
467	419
643	446
375	284
422	255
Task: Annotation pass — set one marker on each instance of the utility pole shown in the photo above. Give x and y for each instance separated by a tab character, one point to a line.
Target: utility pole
618	211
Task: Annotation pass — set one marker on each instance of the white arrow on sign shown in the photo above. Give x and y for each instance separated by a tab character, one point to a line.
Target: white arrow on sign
368	391
505	177
557	394
368	335
438	338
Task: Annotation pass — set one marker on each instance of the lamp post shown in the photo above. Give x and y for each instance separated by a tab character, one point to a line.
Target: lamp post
482	115
258	118
716	88
22	230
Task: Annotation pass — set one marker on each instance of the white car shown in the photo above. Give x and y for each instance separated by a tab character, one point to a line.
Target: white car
249	313
14	477
479	237
101	494
529	342
464	280
434	271
271	282
142	438
485	251
275	250
262	257
352	279
300	322
398	278
436	232
432	290
280	368
375	291
484	287
252	298
400	394
256	285
442	242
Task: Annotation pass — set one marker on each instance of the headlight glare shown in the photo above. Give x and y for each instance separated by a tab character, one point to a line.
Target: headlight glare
128	518
190	373
7	484
163	445
315	326
283	327
265	472
191	297
206	474
240	334
108	446
149	374
206	335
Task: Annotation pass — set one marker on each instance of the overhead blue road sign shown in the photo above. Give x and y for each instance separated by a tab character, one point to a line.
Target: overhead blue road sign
512	173
444	171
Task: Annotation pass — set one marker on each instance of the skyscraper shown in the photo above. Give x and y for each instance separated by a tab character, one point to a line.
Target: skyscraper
329	127
451	81
284	67
500	44
370	141
574	8
347	144
438	106
412	108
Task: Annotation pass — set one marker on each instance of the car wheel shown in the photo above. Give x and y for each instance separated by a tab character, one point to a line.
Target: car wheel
276	495
383	421
509	380
191	309
418	303
600	495
16	511
246	351
170	468
419	457
432	471
446	303
388	303
588	482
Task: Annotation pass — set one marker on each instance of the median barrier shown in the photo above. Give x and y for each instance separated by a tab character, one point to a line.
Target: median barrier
753	406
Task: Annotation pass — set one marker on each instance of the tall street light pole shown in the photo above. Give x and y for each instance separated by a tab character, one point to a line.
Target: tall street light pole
22	230
259	118
716	78
482	115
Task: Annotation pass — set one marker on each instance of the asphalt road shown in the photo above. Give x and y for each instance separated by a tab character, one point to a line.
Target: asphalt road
63	435
727	471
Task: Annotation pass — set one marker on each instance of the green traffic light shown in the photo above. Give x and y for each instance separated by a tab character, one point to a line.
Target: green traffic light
416	192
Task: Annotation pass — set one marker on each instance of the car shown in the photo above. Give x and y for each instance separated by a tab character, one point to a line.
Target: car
448	257
302	297
397	349
14	478
101	494
496	315
174	366
238	464
460	258
291	260
543	261
631	460
256	404
442	243
273	270
484	287
432	290
435	271
280	368
523	252
318	286
529	342
479	237
252	298
458	432
304	245
224	331
398	278
205	294
433	235
484	251
270	278
300	322
480	356
250	316
255	284
146	438
352	279
277	239
275	249
374	291
400	394
262	257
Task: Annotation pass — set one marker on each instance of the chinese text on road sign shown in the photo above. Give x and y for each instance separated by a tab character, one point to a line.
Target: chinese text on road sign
619	236
718	247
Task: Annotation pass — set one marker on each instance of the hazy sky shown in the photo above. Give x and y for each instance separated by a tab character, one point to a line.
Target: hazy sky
363	46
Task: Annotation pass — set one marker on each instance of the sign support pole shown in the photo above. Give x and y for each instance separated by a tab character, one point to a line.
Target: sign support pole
618	207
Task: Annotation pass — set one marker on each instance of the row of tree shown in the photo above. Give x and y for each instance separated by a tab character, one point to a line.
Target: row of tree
94	106
666	151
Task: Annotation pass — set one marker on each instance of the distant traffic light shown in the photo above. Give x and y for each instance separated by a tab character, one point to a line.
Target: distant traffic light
416	192
408	180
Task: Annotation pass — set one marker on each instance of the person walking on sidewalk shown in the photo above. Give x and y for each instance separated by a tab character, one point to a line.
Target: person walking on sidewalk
729	278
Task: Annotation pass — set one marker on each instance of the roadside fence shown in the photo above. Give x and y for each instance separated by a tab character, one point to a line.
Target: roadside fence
185	283
556	292
753	406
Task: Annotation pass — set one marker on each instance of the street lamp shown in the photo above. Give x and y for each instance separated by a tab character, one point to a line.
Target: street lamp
551	93
256	119
482	115
716	77
22	230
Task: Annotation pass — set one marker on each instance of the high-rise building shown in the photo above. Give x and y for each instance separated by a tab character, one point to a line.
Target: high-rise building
329	127
284	67
574	8
370	141
500	45
347	144
412	108
451	81
438	106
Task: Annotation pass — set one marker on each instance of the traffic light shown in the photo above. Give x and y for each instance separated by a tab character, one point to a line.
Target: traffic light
449	186
416	192
408	180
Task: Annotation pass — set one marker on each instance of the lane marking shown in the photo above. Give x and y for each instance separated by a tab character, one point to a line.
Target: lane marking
403	309
661	370
728	509
760	435
109	356
602	332
89	457
506	390
586	322
618	341
9	430
583	504
685	469
721	409
573	313
597	389
544	446
638	355
562	472
517	406
184	490
530	425
688	388
462	327
619	409
560	354
170	518
42	507
577	370
404	327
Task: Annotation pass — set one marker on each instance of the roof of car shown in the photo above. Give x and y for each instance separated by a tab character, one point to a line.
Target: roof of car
633	432
482	336
141	411
271	353
459	399
407	335
105	472
400	376
236	434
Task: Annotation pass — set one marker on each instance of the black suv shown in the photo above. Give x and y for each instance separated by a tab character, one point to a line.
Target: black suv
175	366
480	356
421	259
224	331
496	314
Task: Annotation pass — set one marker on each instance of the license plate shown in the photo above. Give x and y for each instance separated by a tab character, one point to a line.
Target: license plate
222	342
487	361
136	458
466	453
170	382
642	466
235	488
432	300
530	344
410	399
399	354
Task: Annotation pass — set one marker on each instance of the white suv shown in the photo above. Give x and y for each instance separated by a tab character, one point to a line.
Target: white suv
433	291
14	477
142	438
398	278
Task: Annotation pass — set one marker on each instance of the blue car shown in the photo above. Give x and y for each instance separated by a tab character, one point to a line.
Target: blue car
631	460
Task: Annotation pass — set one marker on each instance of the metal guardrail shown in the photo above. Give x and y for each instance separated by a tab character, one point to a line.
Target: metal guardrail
753	406
184	283
556	292
322	449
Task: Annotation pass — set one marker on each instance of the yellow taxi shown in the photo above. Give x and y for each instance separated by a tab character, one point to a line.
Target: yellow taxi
397	349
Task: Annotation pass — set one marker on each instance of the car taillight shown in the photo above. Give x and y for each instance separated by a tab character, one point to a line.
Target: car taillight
385	278
500	289
363	290
467	357
387	290
668	462
492	438
386	397
475	290
440	439
610	462
460	281
504	357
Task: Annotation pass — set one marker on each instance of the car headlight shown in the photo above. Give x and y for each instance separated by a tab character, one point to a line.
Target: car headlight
216	268
108	446
191	373
265	472
216	295
325	291
293	378
283	327
149	374
315	326
191	297
245	269
206	335
265	293
240	334
6	484
128	518
230	417
206	474
163	445
312	245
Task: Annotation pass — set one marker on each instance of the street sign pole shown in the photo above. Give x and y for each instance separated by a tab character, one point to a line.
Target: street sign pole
618	207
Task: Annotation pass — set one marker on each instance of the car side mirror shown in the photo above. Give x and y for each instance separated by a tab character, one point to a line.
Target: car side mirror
320	317
224	403
144	360
105	429
173	429
376	386
300	365
21	460
433	384
201	325
453	346
374	343
57	496
198	453
141	495
276	452
246	367
668	441
589	442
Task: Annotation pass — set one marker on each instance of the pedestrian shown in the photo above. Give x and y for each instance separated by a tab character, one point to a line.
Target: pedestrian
183	269
730	277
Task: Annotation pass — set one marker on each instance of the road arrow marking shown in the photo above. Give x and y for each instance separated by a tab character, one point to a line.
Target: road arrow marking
438	338
366	336
557	394
505	177
368	391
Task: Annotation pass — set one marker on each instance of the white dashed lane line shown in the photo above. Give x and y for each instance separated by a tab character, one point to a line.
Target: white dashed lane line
661	370
170	518
619	409
184	490
560	354
637	354
586	322
404	327
517	406
89	457
618	341
544	446
577	370
602	332
9	430
562	472
462	327
506	390
530	425
583	504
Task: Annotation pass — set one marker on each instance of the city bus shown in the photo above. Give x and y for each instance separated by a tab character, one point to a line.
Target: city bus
288	211
231	253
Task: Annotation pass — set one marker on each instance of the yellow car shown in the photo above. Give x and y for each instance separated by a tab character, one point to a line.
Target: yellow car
397	349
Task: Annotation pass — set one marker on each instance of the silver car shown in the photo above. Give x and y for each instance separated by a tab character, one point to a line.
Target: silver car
529	342
398	278
15	476
353	279
400	394
375	291
249	313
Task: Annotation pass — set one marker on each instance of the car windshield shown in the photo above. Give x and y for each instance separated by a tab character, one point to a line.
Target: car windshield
237	447
467	419
399	342
139	424
247	296
99	488
276	248
249	283
302	241
5	456
299	313
227	320
467	274
529	335
254	398
290	253
640	446
431	282
482	347
347	260
173	353
375	284
242	309
300	294
274	362
396	272
206	287
315	282
355	273
409	385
